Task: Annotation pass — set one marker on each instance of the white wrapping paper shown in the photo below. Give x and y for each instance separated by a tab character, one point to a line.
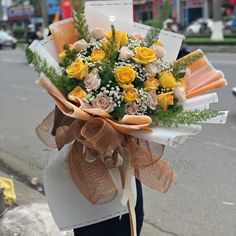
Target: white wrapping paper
69	208
171	41
171	136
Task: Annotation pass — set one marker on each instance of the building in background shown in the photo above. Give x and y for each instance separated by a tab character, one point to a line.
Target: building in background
4	4
143	10
190	10
149	9
20	13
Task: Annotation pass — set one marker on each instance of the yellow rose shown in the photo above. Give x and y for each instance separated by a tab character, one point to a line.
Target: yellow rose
167	80
159	43
125	75
144	55
183	84
151	84
121	37
165	99
97	55
105	44
130	95
77	93
62	55
78	69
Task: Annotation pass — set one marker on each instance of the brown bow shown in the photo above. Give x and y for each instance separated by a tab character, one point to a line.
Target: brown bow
96	148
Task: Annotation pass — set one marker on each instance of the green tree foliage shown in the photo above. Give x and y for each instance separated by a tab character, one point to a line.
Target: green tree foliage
164	13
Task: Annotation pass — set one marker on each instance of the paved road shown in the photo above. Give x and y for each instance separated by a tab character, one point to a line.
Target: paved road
203	203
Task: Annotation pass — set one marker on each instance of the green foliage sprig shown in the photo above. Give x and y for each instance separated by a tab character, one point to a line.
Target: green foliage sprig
180	66
61	81
176	116
81	26
108	62
151	37
71	55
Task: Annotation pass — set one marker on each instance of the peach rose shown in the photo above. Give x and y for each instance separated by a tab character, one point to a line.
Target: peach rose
80	45
151	69
130	109
125	54
152	100
137	36
160	51
179	93
92	80
103	103
97	33
97	55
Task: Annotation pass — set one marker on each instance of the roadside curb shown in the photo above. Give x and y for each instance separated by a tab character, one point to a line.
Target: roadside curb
24	194
213	48
12	166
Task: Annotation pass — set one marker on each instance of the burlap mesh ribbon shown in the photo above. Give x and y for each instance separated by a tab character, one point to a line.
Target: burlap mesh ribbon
99	144
96	148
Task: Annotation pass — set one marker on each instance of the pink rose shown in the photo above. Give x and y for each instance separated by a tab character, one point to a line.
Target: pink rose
151	69
97	33
160	51
187	74
103	103
180	94
125	54
80	45
152	100
137	36
92	80
130	109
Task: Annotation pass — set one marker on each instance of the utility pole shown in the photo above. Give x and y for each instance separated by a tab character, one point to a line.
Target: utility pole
217	14
44	9
178	12
1	11
205	9
217	28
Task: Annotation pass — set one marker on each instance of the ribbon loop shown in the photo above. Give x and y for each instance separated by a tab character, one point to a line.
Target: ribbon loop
92	178
97	134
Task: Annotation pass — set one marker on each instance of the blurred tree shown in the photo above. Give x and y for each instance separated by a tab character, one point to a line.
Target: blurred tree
18	32
164	13
37	7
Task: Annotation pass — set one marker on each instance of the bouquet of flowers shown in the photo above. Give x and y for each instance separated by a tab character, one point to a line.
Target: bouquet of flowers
114	94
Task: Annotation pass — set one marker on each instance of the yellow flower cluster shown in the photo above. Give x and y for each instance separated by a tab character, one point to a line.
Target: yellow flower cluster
130	95
125	73
76	93
124	76
167	80
77	69
62	55
121	39
144	55
97	55
165	99
151	84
